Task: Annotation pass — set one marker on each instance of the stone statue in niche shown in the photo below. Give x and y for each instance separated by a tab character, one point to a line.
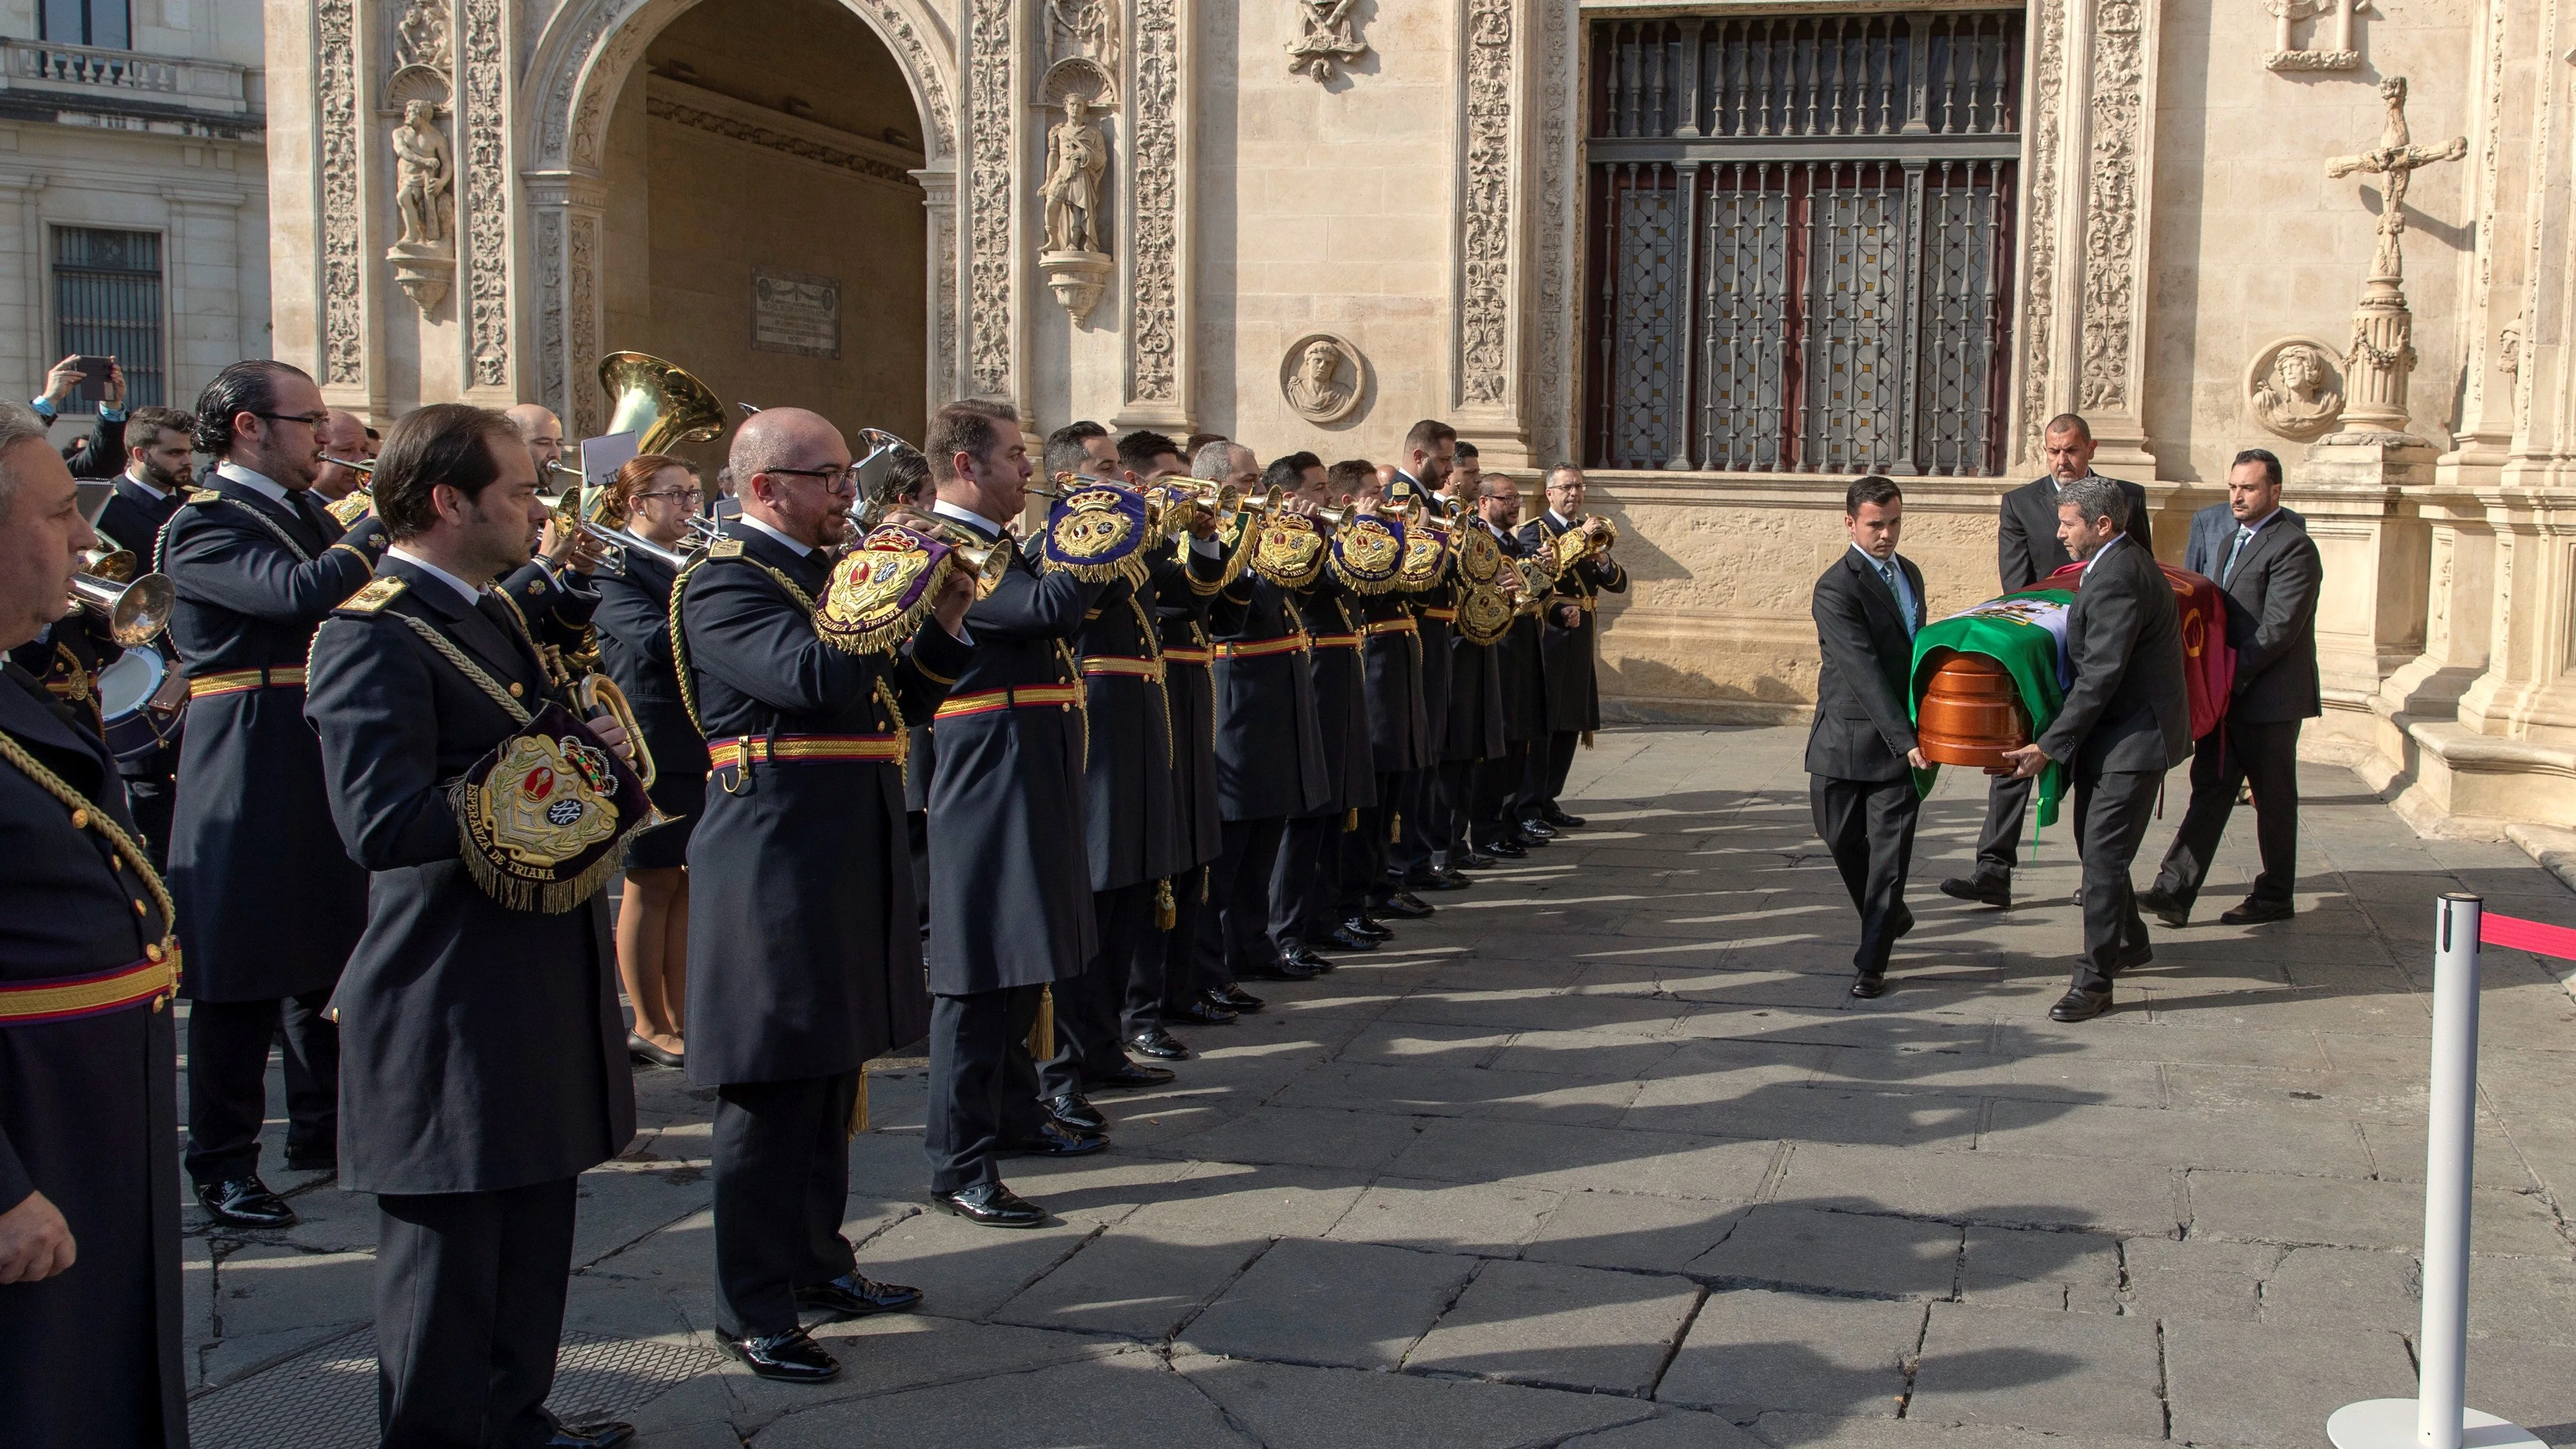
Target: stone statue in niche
421	175
2336	53
2292	391
1322	377
1084	28
1327	38
1077	156
420	38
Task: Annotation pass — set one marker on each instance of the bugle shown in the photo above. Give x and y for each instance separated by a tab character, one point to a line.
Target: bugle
989	561
615	544
136	610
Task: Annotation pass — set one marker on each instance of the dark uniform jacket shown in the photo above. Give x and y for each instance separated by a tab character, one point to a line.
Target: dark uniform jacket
2128	709
99	453
1270	763
2271	610
2026	544
633	625
804	938
135	518
88	1111
1130	821
1399	725
1010	896
1863	726
1189	682
1524	682
1569	656
481	1048
66	657
271	903
1333	619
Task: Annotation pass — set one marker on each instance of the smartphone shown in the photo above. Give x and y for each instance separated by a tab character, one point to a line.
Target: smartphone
93	384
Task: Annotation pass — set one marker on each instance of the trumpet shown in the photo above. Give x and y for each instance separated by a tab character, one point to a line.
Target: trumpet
616	543
599	697
136	610
363	467
988	560
116	565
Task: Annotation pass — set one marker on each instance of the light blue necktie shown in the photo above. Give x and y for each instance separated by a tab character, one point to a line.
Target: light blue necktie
1887	573
2244	536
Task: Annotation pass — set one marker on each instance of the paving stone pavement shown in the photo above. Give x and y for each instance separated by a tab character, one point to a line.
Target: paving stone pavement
1602	1156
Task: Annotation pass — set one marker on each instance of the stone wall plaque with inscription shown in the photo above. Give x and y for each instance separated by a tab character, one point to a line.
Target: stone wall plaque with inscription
796	312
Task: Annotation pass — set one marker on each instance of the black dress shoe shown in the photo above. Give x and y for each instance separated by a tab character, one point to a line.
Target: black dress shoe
1343	938
1903	925
1160	1045
1534	828
855	1295
1528	838
2080	1005
1500	849
1243	1002
1403	905
607	1434
991	1204
316	1162
244	1202
791	1357
651	1055
1312	963
1982	890
1128	1076
2132	959
1076	1112
1373	930
1478	860
2251	912
1869	988
1557	819
1286	968
1054	1139
1438	878
2162	905
1203	1012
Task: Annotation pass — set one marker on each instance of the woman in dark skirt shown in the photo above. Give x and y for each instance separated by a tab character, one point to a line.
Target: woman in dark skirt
652	497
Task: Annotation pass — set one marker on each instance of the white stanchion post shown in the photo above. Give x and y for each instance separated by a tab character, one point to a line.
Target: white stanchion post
2438	1417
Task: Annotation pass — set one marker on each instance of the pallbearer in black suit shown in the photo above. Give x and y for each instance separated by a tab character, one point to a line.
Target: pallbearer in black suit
804	942
1861	750
652	497
89	1217
258	565
2126	721
2262	557
1568	651
2027	550
483	1056
1010	899
1500	828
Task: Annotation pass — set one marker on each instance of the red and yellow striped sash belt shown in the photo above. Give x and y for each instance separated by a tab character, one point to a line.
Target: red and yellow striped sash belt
1096	664
1257	648
1376	627
796	749
243	681
1027	696
1338	641
1188	656
69	998
1445	616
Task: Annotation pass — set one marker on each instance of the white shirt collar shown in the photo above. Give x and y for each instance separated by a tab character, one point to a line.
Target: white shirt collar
1561	520
2257	525
801	550
2106	548
1872	560
157	494
259	483
945	509
470	594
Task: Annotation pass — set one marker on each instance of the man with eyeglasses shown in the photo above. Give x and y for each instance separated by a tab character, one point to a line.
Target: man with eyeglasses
273	903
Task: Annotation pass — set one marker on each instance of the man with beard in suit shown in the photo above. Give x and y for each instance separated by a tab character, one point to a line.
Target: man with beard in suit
1861	749
2125	722
2027	551
2263	560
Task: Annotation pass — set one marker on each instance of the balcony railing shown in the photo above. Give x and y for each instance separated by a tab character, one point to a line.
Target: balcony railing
83	71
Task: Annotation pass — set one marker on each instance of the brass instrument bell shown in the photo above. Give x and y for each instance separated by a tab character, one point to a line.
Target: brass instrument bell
661	404
116	565
136	610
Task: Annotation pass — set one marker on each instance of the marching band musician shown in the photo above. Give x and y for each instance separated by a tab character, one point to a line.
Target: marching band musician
653	496
150	490
89	1221
1566	649
481	1036
1010	906
1500	829
1471	746
258	564
1399	731
803	938
1319	899
1417	852
344	441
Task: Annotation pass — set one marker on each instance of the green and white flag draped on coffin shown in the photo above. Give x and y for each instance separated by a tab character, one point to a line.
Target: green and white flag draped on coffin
2026	634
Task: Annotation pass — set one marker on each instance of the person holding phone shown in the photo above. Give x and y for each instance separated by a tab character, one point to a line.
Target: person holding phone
100	380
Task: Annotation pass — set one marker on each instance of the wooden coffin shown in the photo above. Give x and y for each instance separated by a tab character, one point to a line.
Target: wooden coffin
1970	713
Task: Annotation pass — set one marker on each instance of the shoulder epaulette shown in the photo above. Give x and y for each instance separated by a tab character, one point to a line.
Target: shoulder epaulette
725	548
382	591
204	496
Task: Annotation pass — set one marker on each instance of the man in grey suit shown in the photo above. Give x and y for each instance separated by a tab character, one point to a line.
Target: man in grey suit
2262	558
2126	721
2027	551
1868	606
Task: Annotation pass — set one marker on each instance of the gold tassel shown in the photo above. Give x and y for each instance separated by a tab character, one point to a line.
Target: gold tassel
1042	1031
1587	739
1395	829
859	1104
1167	912
1351	821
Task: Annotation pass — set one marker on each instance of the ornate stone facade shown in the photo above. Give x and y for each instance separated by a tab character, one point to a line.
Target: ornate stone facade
1485	310
335	112
989	323
1154	275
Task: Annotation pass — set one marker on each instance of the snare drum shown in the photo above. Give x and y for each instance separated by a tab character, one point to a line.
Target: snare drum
142	697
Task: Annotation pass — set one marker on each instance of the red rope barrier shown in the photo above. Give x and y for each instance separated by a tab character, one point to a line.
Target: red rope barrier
2514	933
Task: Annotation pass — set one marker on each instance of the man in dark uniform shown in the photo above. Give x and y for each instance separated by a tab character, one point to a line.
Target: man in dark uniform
1319	897
1861	750
2126	721
1399	729
89	1219
258	564
1500	829
148	493
483	1051
1010	905
1472	743
1568	652
804	942
1418	848
2027	551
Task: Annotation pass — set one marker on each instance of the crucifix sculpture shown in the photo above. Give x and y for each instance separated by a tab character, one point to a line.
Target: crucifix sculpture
2383	330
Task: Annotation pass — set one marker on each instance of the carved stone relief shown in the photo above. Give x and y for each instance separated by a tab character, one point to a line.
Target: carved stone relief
2291	389
989	90
2111	221
1556	245
335	82
1327	38
484	56
1154	327
1076	259
424	257
2334	28
1484	361
420	37
2039	293
1323	377
1082	52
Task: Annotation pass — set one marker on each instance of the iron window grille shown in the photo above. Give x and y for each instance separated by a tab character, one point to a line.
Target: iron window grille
1802	242
107	303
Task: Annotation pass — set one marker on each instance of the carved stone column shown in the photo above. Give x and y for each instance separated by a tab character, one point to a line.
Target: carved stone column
993	363
939	203
1160	390
565	210
349	330
483	286
2359	494
1489	397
